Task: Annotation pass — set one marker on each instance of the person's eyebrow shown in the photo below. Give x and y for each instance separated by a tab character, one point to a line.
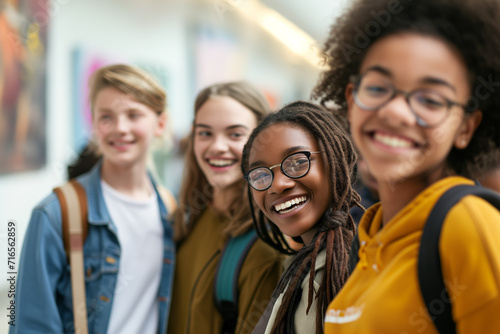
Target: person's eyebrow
104	109
426	80
294	149
132	109
380	69
437	81
285	153
237	126
202	126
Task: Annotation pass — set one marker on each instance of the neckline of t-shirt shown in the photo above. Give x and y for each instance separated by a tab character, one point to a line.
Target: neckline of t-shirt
126	198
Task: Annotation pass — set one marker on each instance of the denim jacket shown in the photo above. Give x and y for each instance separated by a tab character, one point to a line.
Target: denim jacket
43	295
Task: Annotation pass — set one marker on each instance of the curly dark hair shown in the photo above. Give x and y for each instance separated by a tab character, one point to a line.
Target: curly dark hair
336	228
469	26
489	164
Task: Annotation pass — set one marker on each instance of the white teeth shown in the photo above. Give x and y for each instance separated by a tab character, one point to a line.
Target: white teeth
282	206
220	162
392	141
286	211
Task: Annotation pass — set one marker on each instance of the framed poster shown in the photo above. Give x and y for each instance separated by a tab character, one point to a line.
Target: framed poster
23	37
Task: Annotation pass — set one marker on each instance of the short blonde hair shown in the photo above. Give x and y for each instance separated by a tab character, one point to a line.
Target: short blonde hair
132	81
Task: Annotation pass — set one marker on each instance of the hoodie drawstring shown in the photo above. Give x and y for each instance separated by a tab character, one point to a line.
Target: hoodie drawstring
363	261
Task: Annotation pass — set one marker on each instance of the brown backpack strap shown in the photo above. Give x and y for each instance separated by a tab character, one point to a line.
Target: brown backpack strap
82	202
64	219
167	198
74	230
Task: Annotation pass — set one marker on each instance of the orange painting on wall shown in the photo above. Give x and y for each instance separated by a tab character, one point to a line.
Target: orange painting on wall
23	27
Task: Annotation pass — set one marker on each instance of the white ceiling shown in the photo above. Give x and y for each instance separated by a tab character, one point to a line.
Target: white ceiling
313	16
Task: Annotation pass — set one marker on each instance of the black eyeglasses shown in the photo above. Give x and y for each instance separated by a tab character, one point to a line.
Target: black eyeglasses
294	166
430	107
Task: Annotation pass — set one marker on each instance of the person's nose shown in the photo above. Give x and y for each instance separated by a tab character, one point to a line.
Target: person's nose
281	182
397	112
122	124
219	144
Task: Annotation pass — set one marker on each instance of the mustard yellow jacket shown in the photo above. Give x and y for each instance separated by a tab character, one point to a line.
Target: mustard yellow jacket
383	296
193	310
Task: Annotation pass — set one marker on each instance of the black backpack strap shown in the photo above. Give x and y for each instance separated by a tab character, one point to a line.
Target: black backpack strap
353	253
430	276
226	278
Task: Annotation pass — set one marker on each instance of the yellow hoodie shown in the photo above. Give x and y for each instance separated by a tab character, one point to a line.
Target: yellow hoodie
383	296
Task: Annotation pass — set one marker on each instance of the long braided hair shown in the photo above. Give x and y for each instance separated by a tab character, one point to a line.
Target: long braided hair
336	228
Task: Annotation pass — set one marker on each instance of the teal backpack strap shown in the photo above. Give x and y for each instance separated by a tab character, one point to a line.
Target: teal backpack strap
226	278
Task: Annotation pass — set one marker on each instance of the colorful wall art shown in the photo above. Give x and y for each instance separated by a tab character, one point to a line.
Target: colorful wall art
23	45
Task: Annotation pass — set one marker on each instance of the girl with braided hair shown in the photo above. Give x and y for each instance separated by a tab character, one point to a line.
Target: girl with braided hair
299	166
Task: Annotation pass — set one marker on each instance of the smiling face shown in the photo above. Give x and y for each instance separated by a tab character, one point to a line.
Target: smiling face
294	205
222	127
394	146
124	128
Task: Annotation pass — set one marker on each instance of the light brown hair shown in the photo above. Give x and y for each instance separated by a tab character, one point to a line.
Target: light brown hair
196	193
132	81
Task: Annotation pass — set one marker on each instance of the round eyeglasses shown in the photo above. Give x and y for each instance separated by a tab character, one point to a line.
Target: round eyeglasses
295	166
373	90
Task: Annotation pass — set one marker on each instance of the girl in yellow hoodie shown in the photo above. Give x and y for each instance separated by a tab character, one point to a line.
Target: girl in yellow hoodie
418	83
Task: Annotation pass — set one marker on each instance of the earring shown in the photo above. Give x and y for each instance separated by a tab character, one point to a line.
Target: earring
463	142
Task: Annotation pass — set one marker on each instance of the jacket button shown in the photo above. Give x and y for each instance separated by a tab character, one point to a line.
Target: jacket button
89	271
110	259
104	298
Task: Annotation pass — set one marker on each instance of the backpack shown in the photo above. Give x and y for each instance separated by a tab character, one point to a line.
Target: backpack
73	203
74	210
430	276
228	270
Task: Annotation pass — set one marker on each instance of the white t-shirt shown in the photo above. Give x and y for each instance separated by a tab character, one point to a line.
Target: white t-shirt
140	233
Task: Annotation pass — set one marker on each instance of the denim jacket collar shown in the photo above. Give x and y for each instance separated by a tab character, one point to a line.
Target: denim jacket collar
98	213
